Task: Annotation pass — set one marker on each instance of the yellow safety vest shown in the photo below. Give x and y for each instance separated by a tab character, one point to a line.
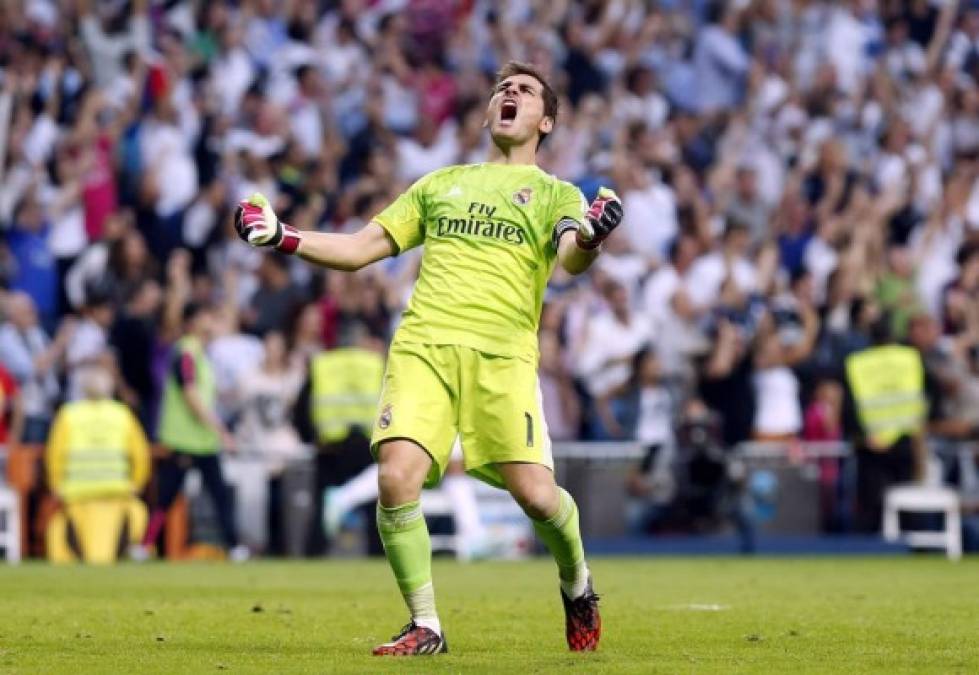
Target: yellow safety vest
888	389
346	384
96	453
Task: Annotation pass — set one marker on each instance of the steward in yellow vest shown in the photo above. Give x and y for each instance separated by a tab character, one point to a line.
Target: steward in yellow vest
336	411
345	386
97	462
889	409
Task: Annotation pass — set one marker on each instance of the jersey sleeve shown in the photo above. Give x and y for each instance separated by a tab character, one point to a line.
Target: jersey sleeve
404	218
184	369
567	210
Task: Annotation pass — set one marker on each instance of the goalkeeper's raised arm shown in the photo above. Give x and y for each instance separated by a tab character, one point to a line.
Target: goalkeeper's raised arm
258	225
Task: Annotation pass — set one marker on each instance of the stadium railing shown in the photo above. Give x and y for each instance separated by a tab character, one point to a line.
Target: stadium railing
593	471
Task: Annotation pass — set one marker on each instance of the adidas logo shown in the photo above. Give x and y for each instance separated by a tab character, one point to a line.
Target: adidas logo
454	191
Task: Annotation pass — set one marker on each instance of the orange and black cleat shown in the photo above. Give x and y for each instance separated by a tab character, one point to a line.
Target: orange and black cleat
582	621
413	640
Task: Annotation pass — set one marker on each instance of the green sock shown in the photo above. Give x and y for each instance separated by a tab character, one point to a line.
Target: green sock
562	536
409	551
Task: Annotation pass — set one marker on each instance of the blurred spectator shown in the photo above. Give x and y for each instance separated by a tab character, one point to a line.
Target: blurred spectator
746	204
667	300
729	262
720	60
611	342
823	422
88	345
97	462
32	359
778	401
562	410
133	338
649	221
92	266
232	353
267	395
275	299
307	332
35	271
655	405
725	381
192	431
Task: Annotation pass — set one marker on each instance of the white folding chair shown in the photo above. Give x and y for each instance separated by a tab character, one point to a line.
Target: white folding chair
929	497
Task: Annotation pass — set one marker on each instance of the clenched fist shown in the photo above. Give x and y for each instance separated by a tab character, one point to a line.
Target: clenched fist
257	224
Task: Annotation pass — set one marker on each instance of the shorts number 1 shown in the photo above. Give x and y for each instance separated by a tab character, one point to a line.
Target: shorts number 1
530	429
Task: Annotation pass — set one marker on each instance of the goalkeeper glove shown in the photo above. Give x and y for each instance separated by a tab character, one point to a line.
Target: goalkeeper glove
257	224
603	216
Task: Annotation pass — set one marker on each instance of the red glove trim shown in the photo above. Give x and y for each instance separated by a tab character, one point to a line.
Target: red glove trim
290	239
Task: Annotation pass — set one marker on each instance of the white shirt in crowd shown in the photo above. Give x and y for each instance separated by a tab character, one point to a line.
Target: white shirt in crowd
845	44
231	75
415	160
88	342
106	50
708	273
265	424
607	350
232	356
721	63
676	338
777	409
307	125
649	219
655	424
164	147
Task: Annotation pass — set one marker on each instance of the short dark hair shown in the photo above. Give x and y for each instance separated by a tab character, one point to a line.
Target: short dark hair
881	332
194	309
511	68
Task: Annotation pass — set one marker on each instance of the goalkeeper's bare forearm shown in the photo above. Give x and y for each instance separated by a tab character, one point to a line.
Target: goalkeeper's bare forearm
257	224
573	258
346	252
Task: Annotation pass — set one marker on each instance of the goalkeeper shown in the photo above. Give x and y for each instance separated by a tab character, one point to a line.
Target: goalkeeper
464	359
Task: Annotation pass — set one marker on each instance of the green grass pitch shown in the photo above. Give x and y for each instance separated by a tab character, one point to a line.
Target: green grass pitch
914	614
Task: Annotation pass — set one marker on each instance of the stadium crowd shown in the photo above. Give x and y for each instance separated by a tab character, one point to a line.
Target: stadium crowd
793	172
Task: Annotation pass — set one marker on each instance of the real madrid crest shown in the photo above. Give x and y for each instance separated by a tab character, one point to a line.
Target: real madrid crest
523	196
384	421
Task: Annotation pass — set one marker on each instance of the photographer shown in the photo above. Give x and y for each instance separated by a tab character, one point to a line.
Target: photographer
697	477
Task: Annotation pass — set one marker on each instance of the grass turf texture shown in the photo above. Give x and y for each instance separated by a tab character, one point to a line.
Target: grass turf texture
891	615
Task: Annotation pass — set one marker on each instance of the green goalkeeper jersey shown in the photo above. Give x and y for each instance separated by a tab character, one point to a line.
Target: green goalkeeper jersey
490	247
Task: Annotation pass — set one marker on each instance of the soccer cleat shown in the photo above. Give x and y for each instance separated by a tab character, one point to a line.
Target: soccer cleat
413	640
582	621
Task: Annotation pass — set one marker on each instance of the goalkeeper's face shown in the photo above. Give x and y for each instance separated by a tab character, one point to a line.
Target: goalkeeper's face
515	114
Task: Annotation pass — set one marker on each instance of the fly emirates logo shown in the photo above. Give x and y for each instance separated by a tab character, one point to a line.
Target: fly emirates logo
479	222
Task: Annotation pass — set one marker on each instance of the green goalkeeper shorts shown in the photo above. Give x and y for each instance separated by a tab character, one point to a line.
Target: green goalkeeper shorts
434	392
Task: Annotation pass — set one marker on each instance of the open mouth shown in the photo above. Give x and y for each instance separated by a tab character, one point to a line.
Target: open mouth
508	111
